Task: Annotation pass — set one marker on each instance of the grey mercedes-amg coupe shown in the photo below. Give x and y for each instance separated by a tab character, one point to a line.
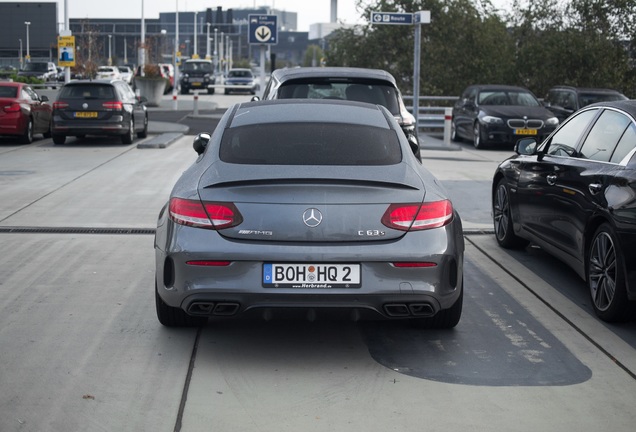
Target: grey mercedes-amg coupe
308	208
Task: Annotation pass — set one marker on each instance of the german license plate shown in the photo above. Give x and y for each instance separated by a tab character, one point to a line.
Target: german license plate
311	275
525	131
85	114
196	84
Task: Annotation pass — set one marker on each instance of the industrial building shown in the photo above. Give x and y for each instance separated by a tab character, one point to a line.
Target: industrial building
100	38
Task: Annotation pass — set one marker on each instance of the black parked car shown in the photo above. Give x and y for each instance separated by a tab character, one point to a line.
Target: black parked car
99	107
489	114
197	75
563	101
358	84
575	196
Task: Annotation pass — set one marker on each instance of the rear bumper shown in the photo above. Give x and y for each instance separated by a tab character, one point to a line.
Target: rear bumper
386	291
12	124
83	127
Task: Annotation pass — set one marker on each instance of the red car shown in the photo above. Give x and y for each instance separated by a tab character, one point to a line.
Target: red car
23	113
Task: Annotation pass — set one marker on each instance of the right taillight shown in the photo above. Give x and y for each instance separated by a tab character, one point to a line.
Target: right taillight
413	217
210	215
113	105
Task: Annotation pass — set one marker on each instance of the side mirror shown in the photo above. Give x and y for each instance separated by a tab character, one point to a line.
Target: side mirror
44	98
201	142
142	99
255	98
526	146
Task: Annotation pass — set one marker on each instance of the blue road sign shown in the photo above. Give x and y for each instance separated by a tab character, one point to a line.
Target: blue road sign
391	18
263	29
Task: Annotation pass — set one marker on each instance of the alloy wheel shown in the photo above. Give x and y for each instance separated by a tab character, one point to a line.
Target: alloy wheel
602	271
501	212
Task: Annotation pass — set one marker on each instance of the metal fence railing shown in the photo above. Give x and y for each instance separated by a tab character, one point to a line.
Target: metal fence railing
431	111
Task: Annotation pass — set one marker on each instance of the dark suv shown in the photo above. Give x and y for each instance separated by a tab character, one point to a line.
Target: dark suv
197	75
99	107
363	85
563	101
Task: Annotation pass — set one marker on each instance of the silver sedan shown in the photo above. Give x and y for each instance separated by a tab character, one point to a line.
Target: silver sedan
312	209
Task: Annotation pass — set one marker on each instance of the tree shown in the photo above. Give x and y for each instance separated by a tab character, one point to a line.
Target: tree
538	44
465	43
314	56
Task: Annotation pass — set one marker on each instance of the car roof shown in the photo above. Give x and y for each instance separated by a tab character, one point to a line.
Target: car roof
309	110
283	75
10	84
490	87
629	106
586	89
95	81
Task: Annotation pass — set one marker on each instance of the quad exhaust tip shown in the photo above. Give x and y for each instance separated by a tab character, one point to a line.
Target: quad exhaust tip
397	310
210	308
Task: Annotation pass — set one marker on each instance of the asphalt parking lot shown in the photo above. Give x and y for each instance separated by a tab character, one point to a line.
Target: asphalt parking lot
81	348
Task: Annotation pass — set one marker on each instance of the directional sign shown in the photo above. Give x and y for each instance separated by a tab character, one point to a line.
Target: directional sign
66	51
391	18
263	29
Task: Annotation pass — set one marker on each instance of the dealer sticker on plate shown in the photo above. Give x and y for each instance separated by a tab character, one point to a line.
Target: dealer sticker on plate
311	275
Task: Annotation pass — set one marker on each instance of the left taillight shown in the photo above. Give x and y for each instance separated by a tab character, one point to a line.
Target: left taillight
210	215
414	217
60	105
14	107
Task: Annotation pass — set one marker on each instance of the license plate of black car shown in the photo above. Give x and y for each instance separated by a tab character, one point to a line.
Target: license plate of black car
525	131
85	114
311	275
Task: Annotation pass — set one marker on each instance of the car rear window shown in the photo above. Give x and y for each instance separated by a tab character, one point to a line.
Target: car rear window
310	144
8	92
87	91
377	94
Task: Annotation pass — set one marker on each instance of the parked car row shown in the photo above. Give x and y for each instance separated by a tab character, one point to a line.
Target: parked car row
106	107
499	114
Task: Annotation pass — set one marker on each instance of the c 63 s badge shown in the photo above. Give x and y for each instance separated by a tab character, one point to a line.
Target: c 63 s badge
371	233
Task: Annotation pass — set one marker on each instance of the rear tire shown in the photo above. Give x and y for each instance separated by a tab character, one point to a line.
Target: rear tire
59	139
210	91
174	317
606	277
502	219
184	91
144	132
27	136
444	319
129	137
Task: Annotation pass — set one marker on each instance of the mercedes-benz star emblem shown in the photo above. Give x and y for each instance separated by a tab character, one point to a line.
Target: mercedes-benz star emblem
84	105
312	217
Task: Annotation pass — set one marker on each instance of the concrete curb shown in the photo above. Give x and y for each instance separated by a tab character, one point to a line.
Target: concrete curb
160	141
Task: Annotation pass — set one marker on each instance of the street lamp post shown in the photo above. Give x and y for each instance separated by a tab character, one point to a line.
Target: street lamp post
28	54
216	52
207	43
176	59
142	50
110	52
195	54
21	61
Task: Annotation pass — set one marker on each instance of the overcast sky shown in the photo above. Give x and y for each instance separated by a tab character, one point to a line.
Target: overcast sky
309	11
